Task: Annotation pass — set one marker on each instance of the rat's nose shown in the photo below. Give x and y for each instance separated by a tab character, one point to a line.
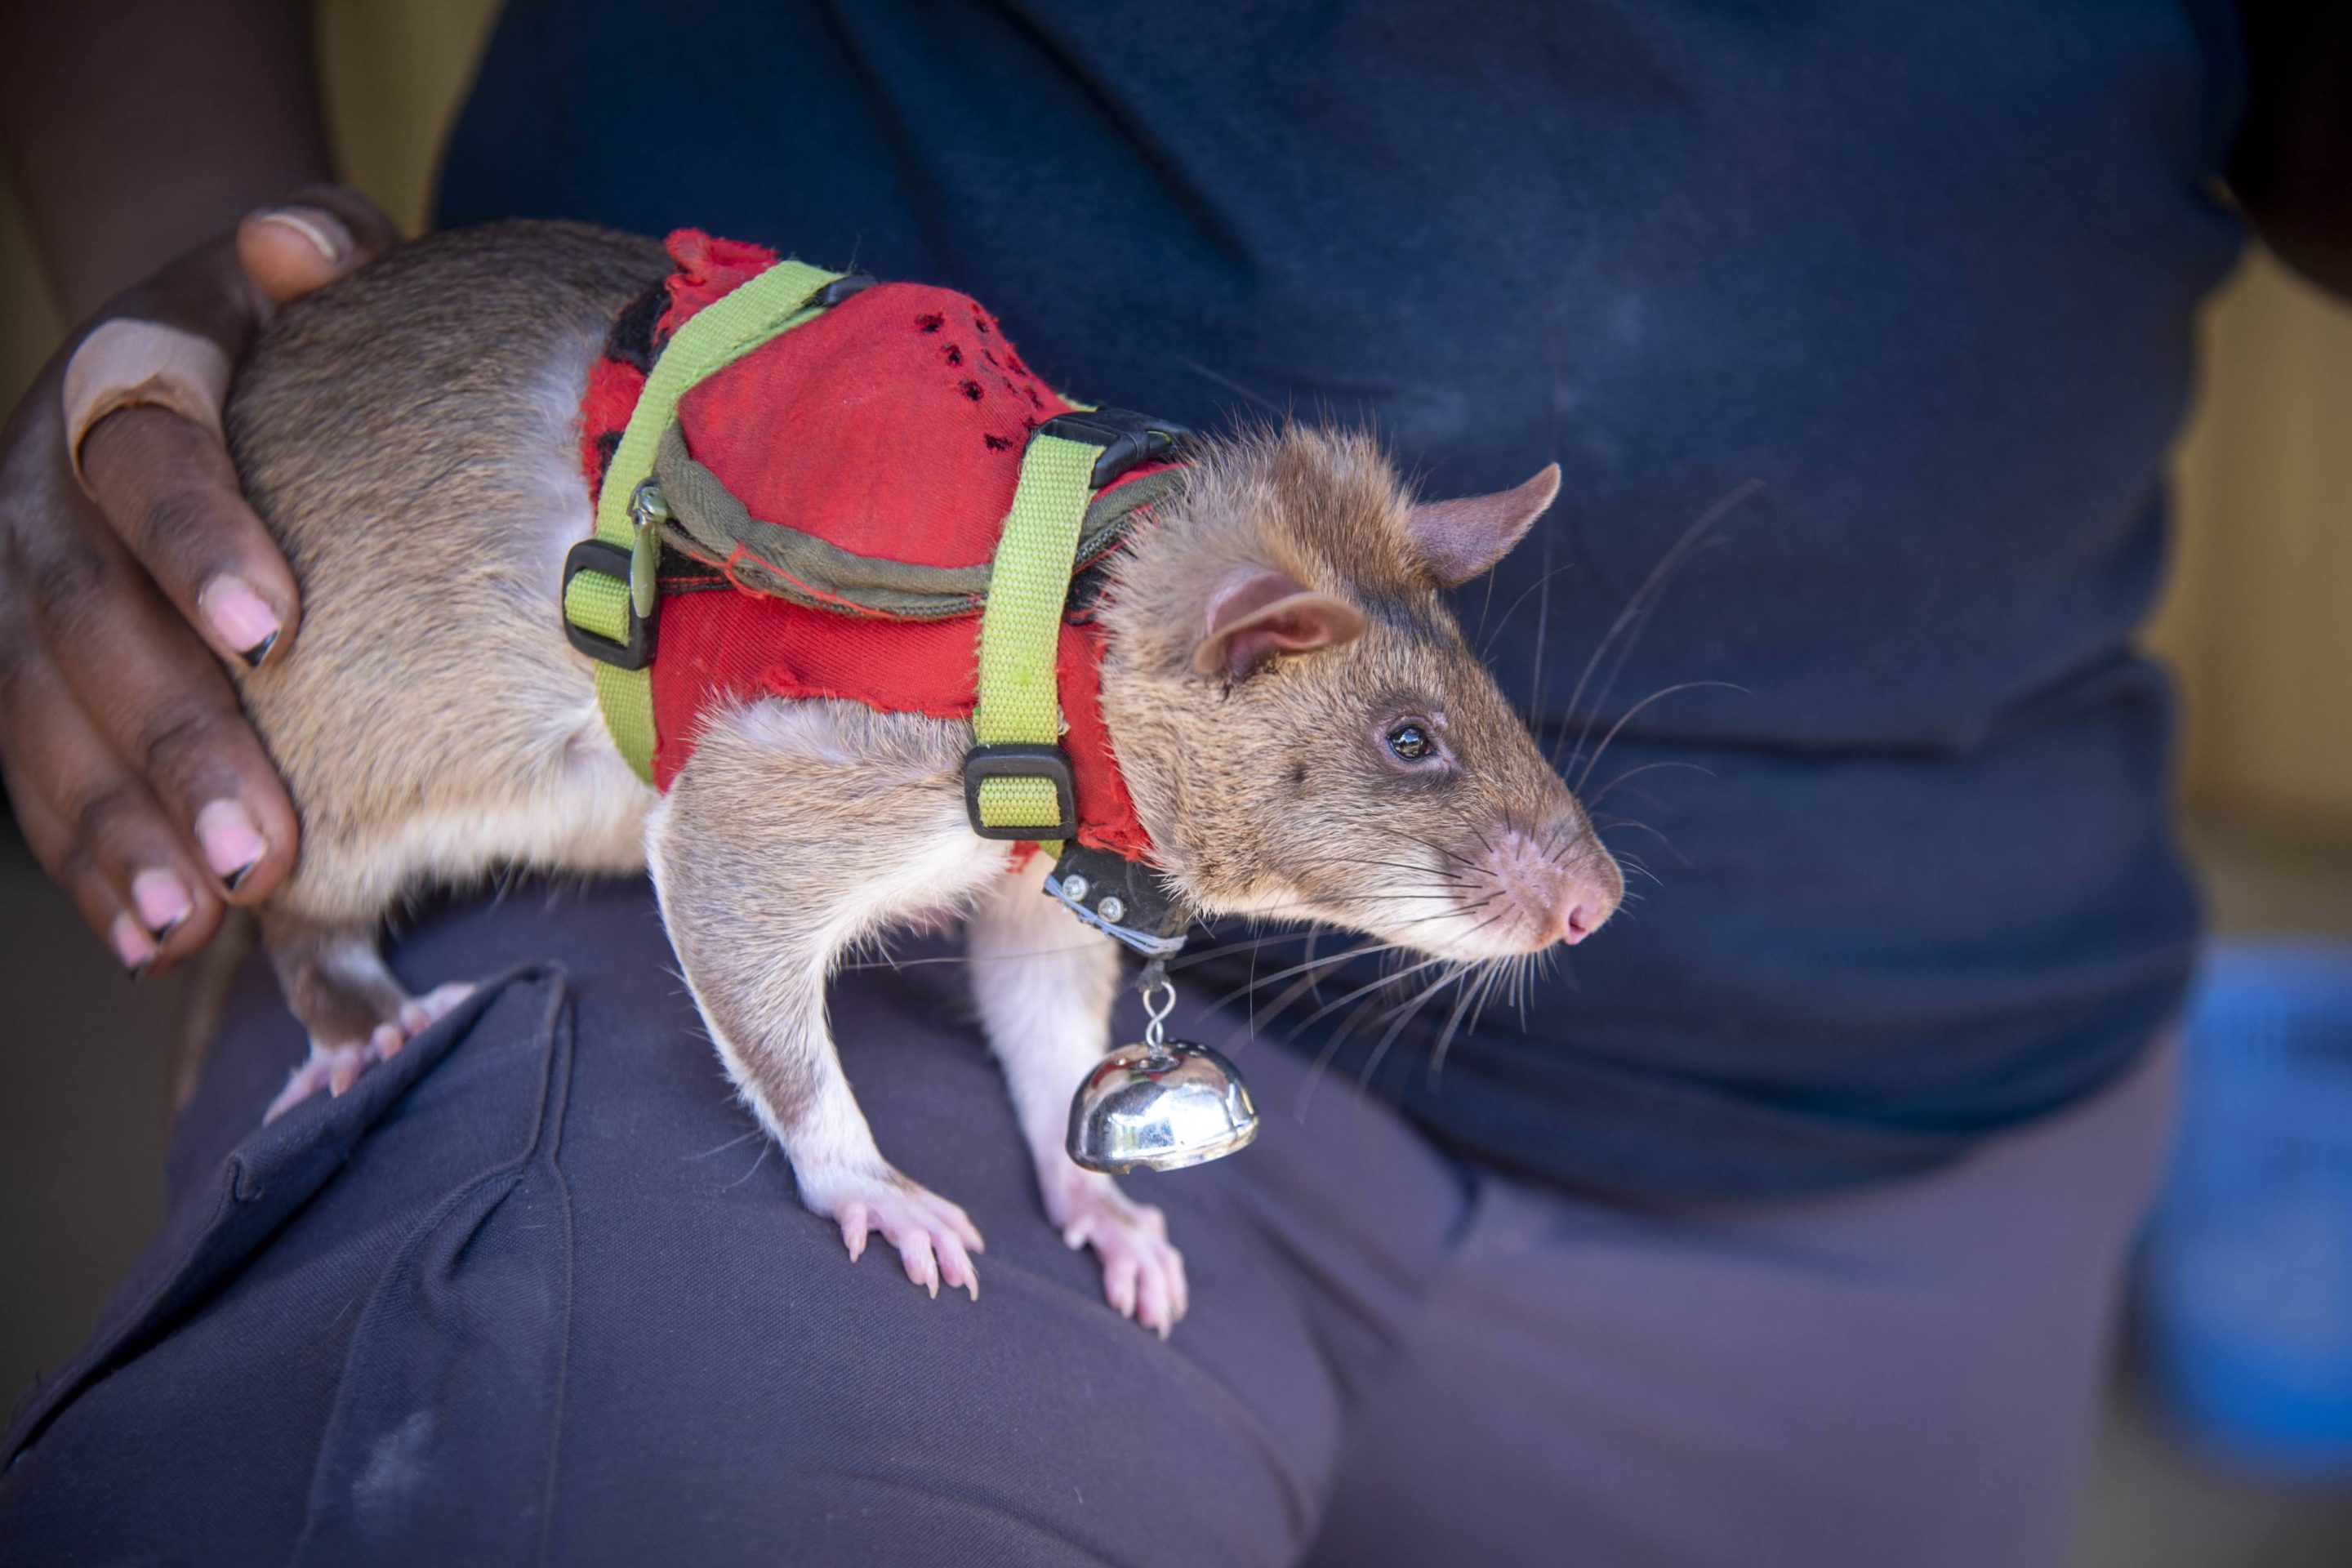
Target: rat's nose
1578	909
1581	899
1558	887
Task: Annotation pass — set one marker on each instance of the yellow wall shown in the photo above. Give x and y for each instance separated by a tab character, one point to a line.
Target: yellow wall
28	327
2259	618
393	72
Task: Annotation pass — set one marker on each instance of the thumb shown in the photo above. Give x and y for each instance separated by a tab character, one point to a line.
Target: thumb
324	232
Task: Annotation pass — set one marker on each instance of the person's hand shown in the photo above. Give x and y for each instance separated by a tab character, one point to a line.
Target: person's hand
136	779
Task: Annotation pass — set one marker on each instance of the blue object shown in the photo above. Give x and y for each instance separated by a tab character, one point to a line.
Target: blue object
2249	1262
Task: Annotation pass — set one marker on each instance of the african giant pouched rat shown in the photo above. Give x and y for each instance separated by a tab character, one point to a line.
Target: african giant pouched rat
1298	718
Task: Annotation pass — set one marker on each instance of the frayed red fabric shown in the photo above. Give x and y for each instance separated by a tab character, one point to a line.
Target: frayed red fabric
892	425
708	267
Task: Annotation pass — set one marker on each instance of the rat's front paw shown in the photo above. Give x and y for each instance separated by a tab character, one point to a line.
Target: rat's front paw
934	1237
1143	1275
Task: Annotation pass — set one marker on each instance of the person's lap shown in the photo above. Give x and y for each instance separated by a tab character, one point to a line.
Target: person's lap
549	1295
1903	1375
561	1294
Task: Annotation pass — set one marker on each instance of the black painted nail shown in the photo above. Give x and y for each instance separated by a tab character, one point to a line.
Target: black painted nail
259	651
235	878
139	972
163	933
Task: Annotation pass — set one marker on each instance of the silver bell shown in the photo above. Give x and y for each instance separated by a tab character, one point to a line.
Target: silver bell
1162	1104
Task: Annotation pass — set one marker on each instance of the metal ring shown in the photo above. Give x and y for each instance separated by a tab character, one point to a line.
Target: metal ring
1154	1017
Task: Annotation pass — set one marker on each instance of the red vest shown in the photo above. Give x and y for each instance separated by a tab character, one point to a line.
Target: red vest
892	425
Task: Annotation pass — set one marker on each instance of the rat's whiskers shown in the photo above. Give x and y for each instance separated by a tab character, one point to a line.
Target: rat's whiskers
1636	608
1602	794
1627	717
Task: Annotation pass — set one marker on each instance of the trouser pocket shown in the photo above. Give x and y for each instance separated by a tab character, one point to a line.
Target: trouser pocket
402	1255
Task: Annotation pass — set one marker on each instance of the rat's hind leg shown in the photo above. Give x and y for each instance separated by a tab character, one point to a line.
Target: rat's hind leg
796	830
335	981
1045	984
569	804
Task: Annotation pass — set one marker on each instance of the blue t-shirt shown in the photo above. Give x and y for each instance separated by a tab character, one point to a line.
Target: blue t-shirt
1925	271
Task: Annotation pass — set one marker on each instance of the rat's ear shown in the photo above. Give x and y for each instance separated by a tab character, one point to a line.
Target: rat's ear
1261	613
1460	539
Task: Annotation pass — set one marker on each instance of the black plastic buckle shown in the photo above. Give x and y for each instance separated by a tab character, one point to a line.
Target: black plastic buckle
1015	762
841	288
607	561
1126	437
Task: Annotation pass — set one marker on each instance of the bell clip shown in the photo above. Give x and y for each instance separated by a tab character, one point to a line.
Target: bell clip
1161	1104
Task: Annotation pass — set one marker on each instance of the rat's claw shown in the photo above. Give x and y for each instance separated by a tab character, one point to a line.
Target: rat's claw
349	1062
944	1220
1143	1275
1180	1289
1154	1308
1118	1285
300	1085
915	1253
955	1264
934	1239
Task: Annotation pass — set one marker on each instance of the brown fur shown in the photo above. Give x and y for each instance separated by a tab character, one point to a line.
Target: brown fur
410	434
376	426
1272	787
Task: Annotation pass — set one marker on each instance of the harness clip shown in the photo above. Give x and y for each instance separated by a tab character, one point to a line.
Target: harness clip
636	649
1050	763
633	568
840	289
1127	438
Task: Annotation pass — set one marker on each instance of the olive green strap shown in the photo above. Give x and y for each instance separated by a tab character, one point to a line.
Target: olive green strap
708	524
1021	625
769	304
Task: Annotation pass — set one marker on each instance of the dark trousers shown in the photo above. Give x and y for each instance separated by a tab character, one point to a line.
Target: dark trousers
535	1291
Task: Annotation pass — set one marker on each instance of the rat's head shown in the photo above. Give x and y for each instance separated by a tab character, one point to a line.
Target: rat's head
1305	729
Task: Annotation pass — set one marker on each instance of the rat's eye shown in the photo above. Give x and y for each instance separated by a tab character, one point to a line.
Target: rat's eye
1410	742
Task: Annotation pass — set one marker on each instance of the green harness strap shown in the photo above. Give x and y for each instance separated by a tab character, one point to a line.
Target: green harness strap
1021	630
616	610
1017	782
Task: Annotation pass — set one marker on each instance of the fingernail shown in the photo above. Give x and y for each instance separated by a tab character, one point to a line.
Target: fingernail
133	945
163	902
232	845
326	235
241	617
